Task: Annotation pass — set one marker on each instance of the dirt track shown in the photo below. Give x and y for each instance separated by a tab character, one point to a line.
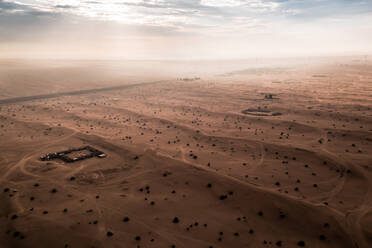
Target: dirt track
188	150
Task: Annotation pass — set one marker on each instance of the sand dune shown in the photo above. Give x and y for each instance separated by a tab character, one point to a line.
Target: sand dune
202	163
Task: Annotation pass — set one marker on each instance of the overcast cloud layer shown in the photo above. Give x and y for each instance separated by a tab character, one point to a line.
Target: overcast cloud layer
184	28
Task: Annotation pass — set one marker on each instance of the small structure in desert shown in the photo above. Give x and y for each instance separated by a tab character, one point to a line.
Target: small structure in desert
189	79
74	154
269	96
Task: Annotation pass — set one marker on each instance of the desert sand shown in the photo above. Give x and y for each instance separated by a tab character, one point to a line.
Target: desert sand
249	155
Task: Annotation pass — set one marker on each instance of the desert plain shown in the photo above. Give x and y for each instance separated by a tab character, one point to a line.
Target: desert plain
198	154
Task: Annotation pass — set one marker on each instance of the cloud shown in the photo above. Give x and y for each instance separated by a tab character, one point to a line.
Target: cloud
6	6
191	12
250	25
59	6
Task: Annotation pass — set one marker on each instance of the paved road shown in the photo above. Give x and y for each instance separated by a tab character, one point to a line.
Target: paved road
73	93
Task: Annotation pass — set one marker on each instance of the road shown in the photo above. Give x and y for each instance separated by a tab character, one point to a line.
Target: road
72	93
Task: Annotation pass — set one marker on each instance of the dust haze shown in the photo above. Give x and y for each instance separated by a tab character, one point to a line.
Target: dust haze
232	123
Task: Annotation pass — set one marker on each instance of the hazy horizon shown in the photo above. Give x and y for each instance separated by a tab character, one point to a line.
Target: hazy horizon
186	123
184	30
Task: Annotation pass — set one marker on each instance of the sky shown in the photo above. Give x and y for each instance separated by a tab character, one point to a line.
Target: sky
184	29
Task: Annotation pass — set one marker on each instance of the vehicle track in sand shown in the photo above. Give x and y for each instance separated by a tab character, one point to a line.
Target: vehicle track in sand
20	164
